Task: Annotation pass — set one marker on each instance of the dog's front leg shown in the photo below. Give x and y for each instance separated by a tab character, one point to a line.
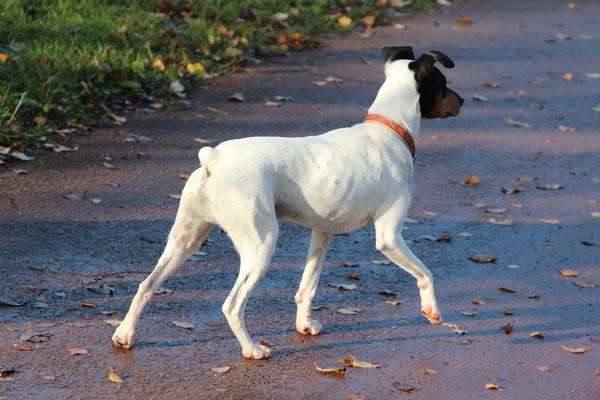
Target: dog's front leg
390	242
308	285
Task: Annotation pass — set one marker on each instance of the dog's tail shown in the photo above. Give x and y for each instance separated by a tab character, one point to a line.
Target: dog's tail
207	156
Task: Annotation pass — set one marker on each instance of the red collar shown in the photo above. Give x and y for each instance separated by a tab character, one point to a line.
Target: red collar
398	129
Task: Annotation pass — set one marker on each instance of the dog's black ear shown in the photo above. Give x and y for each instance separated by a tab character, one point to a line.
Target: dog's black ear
389	54
423	66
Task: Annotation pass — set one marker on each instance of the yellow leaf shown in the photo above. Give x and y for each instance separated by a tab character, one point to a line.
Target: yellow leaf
114	377
578	350
244	41
368	20
491	386
568	273
472	180
3	57
568	77
544	368
344	21
196	68
158	64
223	32
353	362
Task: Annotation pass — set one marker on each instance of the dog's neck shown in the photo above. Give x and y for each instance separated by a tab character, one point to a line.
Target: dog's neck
398	99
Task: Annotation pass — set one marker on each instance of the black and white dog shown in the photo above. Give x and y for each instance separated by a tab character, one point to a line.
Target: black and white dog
332	183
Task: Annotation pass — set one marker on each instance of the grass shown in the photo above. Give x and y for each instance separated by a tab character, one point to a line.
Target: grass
66	65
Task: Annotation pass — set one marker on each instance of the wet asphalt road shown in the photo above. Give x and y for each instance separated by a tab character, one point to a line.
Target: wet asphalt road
52	248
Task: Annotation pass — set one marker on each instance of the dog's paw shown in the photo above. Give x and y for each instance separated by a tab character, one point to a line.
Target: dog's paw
434	317
123	337
313	327
257	352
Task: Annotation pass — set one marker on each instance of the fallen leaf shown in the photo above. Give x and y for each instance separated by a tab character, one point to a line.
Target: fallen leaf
183	324
503	222
343	286
4	57
568	76
368	21
387	293
452	363
403	387
57	148
495	210
355	277
173	196
73	196
510	190
565	128
585	284
513	266
588	243
4	372
490	85
568	273
428	371
549	221
348	311
478	97
472	180
482	259
114	377
113	322
595	214
344	21
507	312
320	83
269	103
395	302
597	371
512	122
221	370
265	343
354	363
330	371
593	75
333	79
87	304
75	351
237	97
465	20
544	368
571	6
455	328
491	386
96	200
108	165
21	156
507	329
469	313
550	186
506	290
203	141
578	350
445	238
198	69
177	88
158	64
537	335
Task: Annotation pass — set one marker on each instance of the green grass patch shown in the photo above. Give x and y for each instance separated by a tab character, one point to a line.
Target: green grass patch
66	65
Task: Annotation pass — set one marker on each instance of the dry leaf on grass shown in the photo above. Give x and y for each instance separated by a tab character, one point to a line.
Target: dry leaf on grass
567	273
491	386
354	363
344	21
330	371
114	377
221	370
183	324
77	351
578	350
482	259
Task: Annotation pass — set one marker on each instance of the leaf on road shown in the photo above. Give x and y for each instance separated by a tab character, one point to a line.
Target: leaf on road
183	324
472	180
511	122
497	210
482	259
465	20
544	368
507	329
550	186
57	148
585	284
333	79
237	97
108	165
502	222
113	322
395	302
537	335
103	289
478	97
491	386
526	178
221	370
567	273
508	190
455	328
387	293
114	377
549	221
506	290
566	128
343	286
330	371
578	350
354	363
490	85
446	237
173	196
348	311
404	387
75	351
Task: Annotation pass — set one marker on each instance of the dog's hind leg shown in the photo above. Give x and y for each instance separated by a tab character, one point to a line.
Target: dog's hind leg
308	285
390	242
255	243
187	235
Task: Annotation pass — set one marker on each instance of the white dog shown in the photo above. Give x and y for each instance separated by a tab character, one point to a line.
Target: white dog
332	183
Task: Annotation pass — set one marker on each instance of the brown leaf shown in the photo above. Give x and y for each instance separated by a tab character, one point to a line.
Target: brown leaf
452	363
544	368
404	387
333	79
465	20
77	351
568	273
550	186
265	343
221	370
478	302
482	259
490	85
472	180
368	21
493	387
346	265
445	238
537	335
354	363
330	371
568	76
578	350
387	293
428	371
506	290
507	329
585	284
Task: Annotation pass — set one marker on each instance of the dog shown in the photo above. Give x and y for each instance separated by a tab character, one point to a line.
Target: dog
333	183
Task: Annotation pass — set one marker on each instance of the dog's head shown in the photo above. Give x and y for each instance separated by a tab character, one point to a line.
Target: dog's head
436	100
